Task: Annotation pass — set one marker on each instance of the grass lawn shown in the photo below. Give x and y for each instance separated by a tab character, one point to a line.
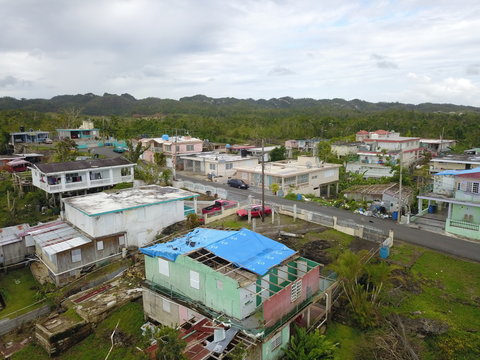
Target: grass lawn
18	288
97	345
348	337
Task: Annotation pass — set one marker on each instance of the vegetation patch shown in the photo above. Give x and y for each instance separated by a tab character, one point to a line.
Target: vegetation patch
19	290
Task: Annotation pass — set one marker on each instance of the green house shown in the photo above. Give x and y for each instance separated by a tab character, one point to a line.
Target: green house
241	280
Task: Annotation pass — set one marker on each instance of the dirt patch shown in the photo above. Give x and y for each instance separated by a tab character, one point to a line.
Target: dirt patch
402	279
315	250
425	326
359	244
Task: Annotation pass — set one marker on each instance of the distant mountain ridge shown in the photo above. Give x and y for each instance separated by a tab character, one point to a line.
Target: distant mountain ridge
127	105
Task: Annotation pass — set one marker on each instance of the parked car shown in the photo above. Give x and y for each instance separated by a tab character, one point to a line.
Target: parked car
256	211
237	183
119	150
218	205
47	141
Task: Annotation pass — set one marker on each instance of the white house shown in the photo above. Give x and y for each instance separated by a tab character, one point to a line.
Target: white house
437	146
214	163
141	213
306	175
81	175
454	162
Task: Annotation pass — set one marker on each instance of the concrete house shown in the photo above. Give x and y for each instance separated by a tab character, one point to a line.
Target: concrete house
437	146
257	286
13	248
172	147
381	149
138	213
306	175
454	162
342	148
459	191
214	163
86	131
65	250
81	175
28	137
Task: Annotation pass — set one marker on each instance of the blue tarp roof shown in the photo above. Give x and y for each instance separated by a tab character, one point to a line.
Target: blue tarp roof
459	172
244	248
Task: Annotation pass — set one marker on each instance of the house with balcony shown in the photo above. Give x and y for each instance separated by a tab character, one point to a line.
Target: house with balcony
436	147
220	165
139	213
459	192
83	175
306	175
251	288
171	147
381	149
454	162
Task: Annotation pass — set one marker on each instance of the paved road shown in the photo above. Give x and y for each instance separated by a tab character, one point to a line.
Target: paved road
446	244
107	151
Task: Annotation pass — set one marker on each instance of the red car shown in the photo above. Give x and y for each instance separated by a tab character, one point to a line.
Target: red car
218	205
256	211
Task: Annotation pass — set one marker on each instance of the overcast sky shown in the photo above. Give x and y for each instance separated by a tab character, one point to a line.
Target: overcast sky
406	51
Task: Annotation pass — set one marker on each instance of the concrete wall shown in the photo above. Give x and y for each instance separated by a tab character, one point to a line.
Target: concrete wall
141	224
224	297
267	352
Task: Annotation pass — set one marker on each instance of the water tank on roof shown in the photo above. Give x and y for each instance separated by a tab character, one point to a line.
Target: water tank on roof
165	137
228	146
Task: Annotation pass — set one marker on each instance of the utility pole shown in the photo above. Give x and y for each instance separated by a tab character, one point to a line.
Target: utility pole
263	180
400	200
174	157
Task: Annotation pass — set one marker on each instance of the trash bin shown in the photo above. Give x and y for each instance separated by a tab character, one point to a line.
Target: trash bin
395	215
384	252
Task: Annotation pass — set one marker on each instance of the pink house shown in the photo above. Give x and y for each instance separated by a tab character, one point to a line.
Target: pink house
171	146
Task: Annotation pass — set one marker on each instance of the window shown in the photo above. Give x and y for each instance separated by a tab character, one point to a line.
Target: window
314	177
189	147
303	179
296	290
194	279
167	148
290	180
177	148
475	187
100	245
219	285
228	166
276	341
121	240
166	305
73	177
95	175
125	171
76	255
212	166
163	267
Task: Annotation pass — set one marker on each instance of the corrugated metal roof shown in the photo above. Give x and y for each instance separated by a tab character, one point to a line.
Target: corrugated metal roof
57	236
12	234
81	165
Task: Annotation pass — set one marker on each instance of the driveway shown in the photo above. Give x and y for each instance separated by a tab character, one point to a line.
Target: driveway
443	243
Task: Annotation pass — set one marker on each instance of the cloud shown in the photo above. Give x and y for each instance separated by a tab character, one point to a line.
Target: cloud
280	71
173	49
383	63
10	81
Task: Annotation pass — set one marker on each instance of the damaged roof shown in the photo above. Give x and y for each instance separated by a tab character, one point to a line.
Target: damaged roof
81	165
12	234
243	248
126	199
57	236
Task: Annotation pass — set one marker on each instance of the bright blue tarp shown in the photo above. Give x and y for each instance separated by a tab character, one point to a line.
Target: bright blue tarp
244	248
459	172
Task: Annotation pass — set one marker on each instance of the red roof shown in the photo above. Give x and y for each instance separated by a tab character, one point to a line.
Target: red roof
382	132
363	132
475	175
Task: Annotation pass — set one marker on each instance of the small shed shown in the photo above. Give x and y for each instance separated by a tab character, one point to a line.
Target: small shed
388	194
13	248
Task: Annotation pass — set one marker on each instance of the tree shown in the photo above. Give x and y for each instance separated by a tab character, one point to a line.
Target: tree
134	152
279	153
65	150
166	176
160	159
275	187
309	346
170	345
